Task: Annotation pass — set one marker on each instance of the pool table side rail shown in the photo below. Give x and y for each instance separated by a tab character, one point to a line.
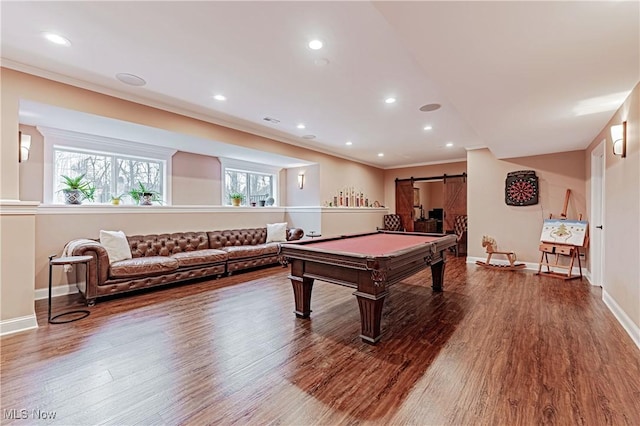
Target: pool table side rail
394	267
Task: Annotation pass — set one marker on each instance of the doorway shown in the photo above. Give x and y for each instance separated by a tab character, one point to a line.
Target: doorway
453	199
596	250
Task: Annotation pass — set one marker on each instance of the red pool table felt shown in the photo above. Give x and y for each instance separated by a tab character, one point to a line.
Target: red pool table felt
374	244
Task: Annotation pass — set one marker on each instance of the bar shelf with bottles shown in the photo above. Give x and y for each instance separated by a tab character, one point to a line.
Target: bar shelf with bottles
351	197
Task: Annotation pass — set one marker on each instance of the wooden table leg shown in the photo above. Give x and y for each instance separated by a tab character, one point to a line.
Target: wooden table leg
437	275
370	315
302	294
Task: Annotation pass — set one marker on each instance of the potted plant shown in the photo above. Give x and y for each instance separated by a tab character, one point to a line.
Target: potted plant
236	198
115	199
77	189
144	196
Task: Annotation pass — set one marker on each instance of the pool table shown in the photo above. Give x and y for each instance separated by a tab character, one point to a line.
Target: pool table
368	262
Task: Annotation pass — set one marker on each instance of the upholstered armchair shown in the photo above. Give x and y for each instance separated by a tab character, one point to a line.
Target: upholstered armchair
392	222
460	229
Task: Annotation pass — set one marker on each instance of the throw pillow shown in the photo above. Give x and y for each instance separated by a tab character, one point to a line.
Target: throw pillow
116	245
276	232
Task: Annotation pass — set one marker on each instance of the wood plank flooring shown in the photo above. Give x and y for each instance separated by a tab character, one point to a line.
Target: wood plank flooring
495	348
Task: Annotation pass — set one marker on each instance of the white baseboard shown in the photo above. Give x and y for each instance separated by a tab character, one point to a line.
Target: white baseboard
529	266
15	325
628	325
60	290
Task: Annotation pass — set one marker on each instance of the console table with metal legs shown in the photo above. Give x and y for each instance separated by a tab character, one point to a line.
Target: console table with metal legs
68	260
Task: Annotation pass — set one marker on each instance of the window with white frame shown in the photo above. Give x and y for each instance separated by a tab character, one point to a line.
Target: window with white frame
111	175
112	166
256	182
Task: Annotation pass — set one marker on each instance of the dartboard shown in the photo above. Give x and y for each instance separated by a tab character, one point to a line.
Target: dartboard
521	188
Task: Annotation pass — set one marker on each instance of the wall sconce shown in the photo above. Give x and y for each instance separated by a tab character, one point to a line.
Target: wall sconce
619	138
24	148
300	180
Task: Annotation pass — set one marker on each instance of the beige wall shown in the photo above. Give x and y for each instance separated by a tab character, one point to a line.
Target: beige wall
338	174
331	221
518	228
9	107
17	230
417	172
309	195
621	280
31	172
195	179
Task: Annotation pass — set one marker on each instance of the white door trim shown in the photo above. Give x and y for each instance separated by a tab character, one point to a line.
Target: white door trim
596	214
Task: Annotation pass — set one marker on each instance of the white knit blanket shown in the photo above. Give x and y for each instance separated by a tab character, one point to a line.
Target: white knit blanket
68	250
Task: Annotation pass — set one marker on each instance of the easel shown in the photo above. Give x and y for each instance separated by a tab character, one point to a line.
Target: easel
558	249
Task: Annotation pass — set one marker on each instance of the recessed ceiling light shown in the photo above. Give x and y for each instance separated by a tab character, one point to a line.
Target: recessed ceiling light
57	39
130	79
430	107
301	126
380	154
309	137
349	143
449	144
428	127
220	97
315	44
390	100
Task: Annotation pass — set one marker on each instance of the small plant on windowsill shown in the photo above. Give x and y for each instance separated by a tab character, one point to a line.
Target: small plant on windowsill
115	199
236	198
77	189
144	196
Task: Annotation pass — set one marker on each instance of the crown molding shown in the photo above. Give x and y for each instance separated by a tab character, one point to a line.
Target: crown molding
429	163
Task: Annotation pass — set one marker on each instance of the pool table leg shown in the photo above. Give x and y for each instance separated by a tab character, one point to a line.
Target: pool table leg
302	294
370	315
437	274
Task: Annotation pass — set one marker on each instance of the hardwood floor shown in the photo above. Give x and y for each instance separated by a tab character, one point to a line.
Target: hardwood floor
495	348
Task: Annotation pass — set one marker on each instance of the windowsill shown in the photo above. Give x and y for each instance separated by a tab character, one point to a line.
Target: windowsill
157	209
153	209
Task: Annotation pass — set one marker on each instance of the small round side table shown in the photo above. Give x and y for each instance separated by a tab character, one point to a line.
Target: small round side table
68	260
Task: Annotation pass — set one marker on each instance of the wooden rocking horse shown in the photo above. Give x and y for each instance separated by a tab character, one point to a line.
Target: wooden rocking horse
490	245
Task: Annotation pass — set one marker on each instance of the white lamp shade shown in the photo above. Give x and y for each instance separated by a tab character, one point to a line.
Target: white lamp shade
25	147
618	136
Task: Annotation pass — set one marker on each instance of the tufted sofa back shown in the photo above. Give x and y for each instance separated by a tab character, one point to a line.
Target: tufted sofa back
237	237
167	244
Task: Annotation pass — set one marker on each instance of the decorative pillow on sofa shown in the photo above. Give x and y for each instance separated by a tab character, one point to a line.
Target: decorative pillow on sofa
276	232
116	245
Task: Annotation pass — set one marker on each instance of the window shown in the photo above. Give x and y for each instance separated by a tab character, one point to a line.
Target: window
255	182
113	166
112	175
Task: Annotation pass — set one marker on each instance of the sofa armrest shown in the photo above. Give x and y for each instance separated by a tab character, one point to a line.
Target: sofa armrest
294	234
98	267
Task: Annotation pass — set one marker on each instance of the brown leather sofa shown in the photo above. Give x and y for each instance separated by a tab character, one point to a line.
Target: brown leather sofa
169	258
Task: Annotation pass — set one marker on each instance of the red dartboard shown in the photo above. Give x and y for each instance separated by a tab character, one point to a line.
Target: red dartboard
521	188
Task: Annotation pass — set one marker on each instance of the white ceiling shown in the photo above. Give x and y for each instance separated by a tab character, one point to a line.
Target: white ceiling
522	78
